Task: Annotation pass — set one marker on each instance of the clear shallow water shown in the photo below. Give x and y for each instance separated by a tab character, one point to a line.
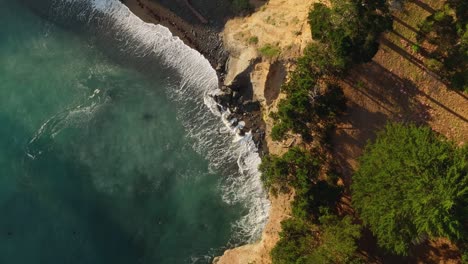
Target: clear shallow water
101	163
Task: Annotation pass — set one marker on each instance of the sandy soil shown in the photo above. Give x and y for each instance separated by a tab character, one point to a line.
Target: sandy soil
259	253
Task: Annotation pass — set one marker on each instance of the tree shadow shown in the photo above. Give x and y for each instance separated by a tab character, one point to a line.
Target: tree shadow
417	62
462	94
276	76
446	108
374	96
428	253
372	253
421	51
356	127
377	96
403	23
424	6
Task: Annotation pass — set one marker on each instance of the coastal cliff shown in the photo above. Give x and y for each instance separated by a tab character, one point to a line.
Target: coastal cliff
254	55
279	27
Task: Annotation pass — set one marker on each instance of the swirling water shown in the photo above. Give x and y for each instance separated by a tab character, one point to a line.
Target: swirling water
111	149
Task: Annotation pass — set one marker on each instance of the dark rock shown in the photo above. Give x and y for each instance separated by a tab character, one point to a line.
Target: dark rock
235	95
240	100
251	106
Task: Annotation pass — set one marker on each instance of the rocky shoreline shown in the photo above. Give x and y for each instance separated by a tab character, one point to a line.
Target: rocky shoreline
237	97
250	81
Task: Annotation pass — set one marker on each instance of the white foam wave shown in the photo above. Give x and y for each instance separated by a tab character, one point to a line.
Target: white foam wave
193	91
74	116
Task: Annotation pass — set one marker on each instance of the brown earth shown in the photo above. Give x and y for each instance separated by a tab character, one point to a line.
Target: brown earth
259	253
397	86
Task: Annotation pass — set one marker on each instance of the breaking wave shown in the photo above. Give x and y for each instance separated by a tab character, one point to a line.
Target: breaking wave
192	82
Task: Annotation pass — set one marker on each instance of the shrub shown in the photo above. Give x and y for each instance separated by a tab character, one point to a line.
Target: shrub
447	29
296	168
253	40
350	28
303	110
297	240
269	51
334	241
412	184
337	240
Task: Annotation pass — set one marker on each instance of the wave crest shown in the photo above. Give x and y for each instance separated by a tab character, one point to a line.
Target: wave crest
193	82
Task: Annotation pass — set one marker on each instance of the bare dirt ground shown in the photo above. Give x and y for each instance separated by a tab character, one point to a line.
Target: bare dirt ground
397	86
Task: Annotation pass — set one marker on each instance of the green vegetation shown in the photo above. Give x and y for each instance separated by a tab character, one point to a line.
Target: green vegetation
302	242
253	40
314	234
345	33
464	257
307	108
447	29
269	51
337	240
348	31
296	168
411	185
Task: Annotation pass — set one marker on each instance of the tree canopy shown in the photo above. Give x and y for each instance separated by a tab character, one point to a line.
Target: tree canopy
447	29
412	184
350	29
303	243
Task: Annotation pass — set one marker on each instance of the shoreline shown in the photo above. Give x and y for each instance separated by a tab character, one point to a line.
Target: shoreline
250	84
206	39
202	38
243	65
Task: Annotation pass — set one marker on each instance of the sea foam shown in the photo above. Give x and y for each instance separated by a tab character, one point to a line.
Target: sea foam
192	88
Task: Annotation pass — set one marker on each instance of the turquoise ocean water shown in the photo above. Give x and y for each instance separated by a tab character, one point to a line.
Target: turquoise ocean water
109	152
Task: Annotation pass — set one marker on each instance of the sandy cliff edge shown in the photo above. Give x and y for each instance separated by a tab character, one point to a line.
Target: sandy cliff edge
281	24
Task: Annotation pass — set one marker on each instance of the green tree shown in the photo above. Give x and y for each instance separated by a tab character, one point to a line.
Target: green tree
412	184
306	108
334	241
337	240
297	168
350	28
447	30
298	238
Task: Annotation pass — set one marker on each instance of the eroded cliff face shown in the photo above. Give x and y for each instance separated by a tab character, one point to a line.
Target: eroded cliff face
282	26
